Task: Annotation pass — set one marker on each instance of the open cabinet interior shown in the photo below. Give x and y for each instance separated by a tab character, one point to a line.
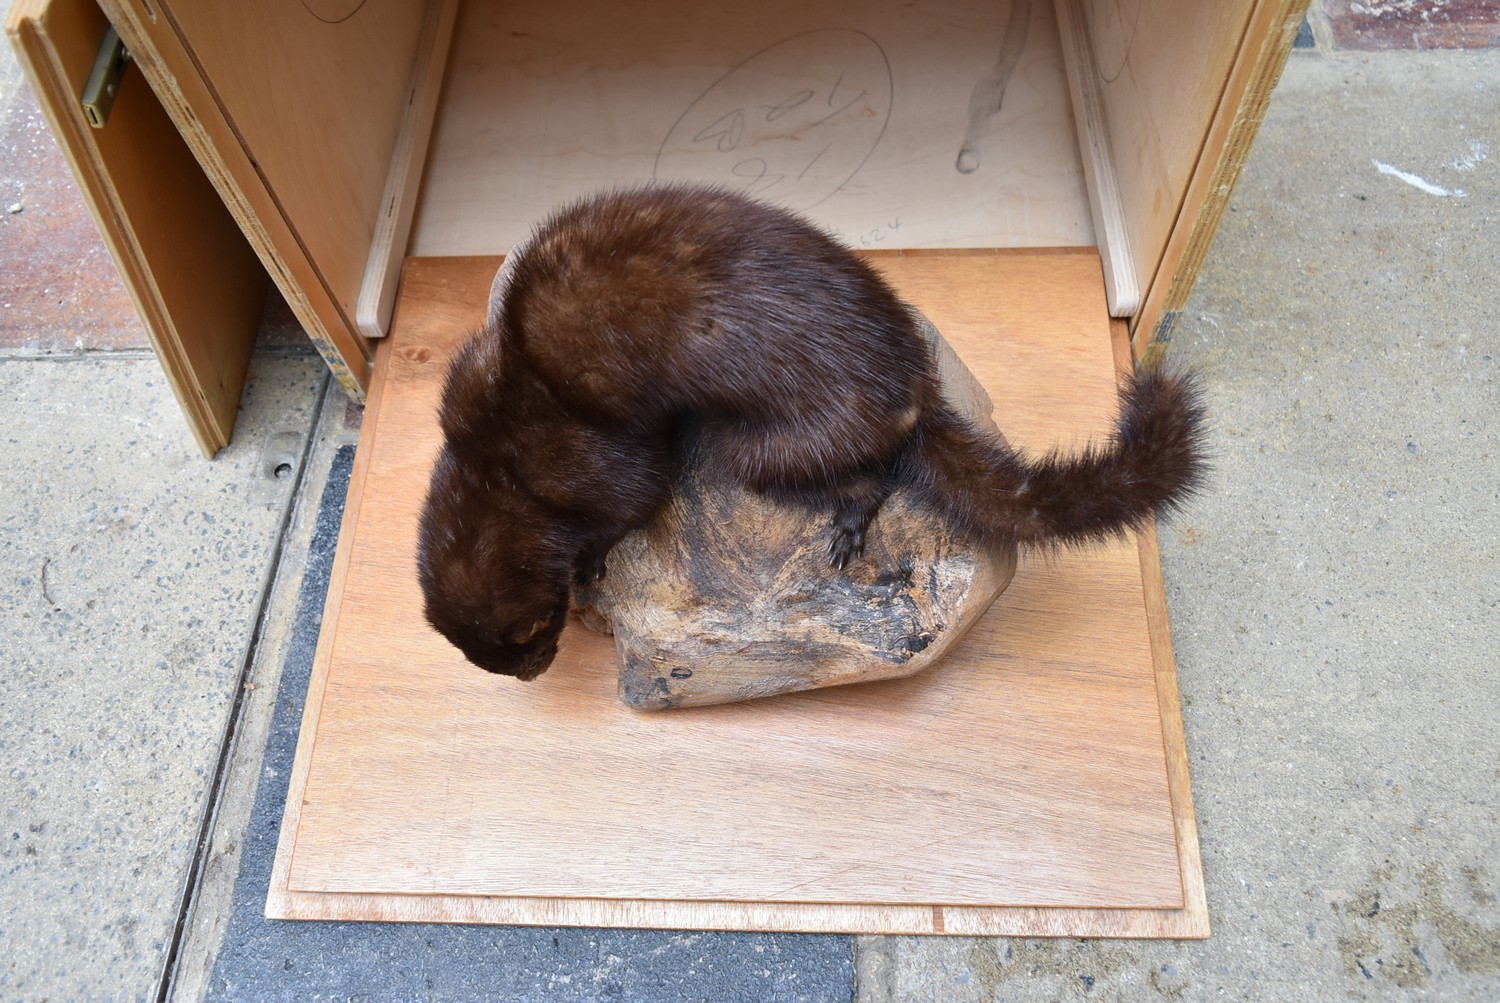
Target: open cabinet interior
949	124
944	124
343	137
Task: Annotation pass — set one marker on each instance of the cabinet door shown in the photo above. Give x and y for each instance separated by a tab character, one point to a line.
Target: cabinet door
195	280
294	109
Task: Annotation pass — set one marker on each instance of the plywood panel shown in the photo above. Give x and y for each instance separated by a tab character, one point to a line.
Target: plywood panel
1160	66
853	111
172	67
1262	54
1020	787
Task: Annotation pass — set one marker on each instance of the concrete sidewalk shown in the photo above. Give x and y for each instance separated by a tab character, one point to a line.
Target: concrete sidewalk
1335	599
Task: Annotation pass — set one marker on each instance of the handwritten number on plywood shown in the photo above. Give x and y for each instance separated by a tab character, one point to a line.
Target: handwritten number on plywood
794	122
724	132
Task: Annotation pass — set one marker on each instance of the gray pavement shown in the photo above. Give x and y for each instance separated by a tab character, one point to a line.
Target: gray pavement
135	571
1335	599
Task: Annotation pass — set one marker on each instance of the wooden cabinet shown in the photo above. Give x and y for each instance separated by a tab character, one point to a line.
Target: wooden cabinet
327	130
347	136
193	276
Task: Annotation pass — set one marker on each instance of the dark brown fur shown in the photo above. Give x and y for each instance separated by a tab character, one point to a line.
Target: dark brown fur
638	318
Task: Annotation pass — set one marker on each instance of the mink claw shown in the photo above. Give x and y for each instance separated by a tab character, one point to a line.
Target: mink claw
845	546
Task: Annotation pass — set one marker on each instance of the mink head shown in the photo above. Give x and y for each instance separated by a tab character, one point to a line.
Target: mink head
489	583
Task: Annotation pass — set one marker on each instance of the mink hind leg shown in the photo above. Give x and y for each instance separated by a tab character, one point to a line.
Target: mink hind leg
855	505
820	471
589	567
855	500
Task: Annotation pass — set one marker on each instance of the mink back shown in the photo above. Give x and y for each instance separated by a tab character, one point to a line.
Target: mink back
676	299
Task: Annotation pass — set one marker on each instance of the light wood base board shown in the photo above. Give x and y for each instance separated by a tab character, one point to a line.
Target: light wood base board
1035	783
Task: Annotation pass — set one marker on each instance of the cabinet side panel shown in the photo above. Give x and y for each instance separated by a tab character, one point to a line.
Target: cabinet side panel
170	66
1262	56
1159	69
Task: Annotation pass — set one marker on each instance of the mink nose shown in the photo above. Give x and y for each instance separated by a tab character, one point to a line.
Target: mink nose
533	667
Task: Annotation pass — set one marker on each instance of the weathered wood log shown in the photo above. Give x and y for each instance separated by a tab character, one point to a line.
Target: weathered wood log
728	596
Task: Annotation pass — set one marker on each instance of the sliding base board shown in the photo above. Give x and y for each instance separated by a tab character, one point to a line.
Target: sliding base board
1033	783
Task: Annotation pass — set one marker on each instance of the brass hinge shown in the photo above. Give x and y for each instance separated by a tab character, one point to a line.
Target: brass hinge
104	82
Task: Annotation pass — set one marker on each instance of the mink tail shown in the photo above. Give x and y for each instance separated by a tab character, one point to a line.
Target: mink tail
1149	466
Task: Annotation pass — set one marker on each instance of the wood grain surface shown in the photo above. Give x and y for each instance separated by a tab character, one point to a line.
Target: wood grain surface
853	111
1179	90
1032	784
292	118
1158	69
1270	28
398	206
1111	225
317	96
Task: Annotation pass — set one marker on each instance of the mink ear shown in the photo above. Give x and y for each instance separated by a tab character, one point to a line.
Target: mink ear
536	628
469	388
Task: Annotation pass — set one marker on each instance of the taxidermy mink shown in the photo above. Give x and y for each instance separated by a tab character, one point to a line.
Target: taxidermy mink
639	318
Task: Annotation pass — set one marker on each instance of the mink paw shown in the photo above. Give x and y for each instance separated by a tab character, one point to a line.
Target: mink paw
846	546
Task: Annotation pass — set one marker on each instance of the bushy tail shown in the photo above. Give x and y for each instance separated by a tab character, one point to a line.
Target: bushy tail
1151	463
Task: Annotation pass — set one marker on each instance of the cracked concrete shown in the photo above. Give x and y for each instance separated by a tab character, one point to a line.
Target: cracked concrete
136	570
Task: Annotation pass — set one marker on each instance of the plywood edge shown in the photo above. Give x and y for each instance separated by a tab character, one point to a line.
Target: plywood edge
1259	61
1191	921
1193	916
980	252
923	920
1106	206
158	49
377	294
278	895
209	411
